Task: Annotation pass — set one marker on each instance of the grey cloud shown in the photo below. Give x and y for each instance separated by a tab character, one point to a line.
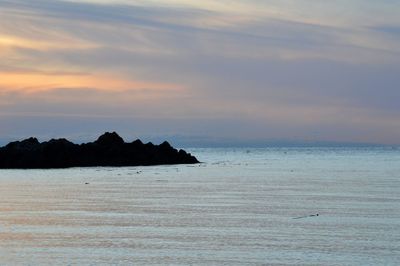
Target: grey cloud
129	15
390	29
227	70
305	82
71	17
255	81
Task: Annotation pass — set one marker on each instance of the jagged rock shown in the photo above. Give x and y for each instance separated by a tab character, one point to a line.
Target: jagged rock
108	150
24	145
110	139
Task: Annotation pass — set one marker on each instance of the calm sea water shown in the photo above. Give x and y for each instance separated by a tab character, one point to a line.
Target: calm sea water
240	207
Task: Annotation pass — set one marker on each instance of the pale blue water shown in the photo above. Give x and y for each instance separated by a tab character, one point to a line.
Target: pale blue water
237	208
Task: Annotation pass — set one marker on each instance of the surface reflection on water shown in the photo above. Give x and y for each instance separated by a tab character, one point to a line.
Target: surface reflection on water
236	209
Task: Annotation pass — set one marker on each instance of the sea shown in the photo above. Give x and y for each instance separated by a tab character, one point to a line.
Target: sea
240	206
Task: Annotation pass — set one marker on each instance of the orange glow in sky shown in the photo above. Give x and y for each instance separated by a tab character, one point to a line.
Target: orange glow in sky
322	70
37	82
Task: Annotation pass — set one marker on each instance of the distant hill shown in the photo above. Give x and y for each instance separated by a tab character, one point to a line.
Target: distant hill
108	150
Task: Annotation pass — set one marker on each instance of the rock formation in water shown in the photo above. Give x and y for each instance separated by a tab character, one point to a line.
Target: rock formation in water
108	150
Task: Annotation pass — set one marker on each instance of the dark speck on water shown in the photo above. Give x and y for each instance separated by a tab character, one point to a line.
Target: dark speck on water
238	212
307	216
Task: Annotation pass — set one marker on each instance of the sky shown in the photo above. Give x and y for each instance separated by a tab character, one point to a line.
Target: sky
244	71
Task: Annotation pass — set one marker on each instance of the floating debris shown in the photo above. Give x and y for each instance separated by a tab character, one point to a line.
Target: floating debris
307	216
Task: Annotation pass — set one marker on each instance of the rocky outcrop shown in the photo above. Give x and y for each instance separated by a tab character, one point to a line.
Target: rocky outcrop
108	150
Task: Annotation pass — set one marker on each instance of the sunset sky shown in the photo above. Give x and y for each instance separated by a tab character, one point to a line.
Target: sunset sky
207	71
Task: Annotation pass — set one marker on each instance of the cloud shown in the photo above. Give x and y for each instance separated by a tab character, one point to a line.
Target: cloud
156	29
292	65
389	29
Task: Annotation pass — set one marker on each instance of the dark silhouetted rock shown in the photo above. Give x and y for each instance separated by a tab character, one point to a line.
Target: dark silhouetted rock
108	150
109	139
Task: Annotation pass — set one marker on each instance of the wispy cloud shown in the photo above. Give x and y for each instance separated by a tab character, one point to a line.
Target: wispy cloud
292	64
